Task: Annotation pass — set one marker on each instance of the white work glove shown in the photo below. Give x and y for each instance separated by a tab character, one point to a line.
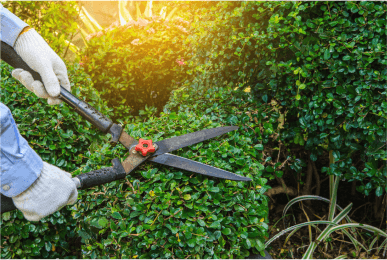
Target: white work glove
53	190
35	51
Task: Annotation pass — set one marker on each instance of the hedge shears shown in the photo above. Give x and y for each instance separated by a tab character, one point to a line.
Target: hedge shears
139	150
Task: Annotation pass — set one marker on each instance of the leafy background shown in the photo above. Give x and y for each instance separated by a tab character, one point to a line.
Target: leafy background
302	80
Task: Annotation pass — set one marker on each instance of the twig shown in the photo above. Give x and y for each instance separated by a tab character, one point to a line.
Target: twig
359	208
128	182
307	190
173	214
317	177
156	218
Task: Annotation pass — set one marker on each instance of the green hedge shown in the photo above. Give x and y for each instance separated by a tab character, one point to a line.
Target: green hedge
161	212
135	66
323	63
168	213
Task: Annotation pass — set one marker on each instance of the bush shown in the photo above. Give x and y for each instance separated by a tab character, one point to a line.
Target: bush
60	137
137	64
321	62
157	211
54	21
161	212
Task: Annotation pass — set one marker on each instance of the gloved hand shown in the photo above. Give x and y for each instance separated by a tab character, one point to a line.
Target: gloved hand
53	190
34	50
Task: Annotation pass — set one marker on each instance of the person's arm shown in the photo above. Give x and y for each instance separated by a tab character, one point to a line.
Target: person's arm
37	188
20	164
11	26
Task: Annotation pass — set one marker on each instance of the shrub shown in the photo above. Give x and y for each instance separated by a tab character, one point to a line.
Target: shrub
323	64
157	211
54	21
60	137
161	212
136	64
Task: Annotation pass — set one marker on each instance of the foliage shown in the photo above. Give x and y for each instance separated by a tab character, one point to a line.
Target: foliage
54	21
323	63
137	64
157	209
161	212
60	137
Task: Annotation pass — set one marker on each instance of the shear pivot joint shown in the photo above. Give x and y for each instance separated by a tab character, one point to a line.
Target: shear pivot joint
145	147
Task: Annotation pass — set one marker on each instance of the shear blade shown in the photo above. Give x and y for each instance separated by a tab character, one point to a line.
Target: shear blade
197	167
175	143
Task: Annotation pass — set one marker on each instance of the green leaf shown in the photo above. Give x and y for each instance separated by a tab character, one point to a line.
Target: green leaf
215	224
48	246
201	222
13	239
351	69
191	242
346	57
6	216
139	229
173	116
116	215
187	196
103	222
336	155
259	245
327	54
259	147
379	191
226	231
248	243
214	189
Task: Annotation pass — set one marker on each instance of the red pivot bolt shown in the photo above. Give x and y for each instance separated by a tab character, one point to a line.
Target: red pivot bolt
145	147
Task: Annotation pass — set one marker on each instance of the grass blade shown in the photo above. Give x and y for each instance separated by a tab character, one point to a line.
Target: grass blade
298	226
358	225
332	206
310	197
381	246
92	20
373	242
309	252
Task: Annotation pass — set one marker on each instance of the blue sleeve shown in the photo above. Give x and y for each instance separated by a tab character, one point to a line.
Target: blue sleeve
11	26
20	166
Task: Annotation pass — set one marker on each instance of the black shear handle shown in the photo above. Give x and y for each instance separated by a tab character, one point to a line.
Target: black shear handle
87	180
99	120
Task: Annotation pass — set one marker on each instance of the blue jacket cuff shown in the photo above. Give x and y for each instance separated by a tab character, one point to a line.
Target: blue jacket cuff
23	173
